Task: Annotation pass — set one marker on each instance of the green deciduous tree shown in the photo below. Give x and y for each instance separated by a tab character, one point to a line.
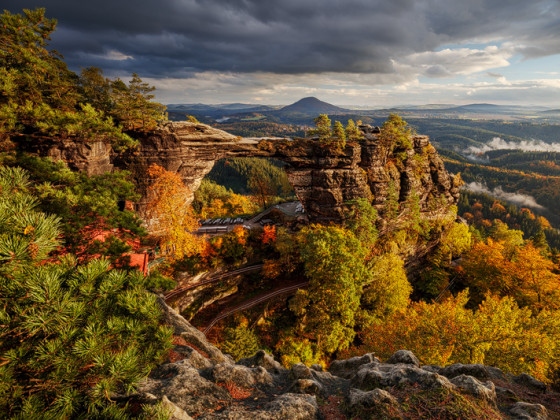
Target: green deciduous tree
361	219
334	263
455	240
239	341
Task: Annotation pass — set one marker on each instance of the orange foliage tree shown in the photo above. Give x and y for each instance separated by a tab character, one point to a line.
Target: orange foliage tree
499	333
269	235
172	218
507	268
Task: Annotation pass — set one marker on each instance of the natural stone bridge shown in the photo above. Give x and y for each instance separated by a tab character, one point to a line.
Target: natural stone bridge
323	178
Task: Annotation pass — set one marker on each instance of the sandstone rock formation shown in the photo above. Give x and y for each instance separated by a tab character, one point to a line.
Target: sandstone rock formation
92	157
206	384
323	178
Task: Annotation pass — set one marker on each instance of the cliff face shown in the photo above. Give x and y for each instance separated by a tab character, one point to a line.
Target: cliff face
323	178
94	158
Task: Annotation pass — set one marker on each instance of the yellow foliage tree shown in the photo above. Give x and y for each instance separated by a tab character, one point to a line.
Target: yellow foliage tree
172	217
389	288
538	286
511	268
498	333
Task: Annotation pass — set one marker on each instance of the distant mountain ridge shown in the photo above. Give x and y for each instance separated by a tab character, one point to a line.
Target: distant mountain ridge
312	105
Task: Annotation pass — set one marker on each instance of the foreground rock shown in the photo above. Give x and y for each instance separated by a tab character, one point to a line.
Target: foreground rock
206	384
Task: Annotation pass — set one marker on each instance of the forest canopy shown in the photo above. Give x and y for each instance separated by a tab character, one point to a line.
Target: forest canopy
41	99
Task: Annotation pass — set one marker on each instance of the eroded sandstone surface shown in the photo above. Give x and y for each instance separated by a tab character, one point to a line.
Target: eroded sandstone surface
201	382
323	177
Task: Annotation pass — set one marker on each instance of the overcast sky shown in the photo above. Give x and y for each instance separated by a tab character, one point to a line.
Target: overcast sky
347	52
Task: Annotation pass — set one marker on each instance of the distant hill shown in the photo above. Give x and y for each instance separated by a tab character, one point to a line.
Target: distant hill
312	105
215	111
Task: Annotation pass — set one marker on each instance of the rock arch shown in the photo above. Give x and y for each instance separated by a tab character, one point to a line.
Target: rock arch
323	178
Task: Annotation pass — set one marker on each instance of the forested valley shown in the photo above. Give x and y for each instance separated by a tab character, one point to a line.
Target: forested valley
80	319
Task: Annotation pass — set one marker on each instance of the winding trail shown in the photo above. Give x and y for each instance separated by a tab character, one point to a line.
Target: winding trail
212	279
254	302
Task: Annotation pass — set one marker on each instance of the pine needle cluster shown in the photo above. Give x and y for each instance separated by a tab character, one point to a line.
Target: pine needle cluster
71	336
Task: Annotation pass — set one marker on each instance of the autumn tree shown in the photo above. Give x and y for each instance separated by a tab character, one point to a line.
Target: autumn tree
389	289
171	216
294	349
487	269
213	200
353	133
498	333
323	128
511	267
334	264
536	279
268	235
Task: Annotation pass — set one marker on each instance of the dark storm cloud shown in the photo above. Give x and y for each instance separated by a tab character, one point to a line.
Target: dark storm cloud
178	37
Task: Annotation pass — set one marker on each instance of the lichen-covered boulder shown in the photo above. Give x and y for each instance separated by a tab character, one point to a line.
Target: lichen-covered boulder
377	403
526	411
477	370
405	357
530	382
263	359
386	375
300	371
348	367
472	386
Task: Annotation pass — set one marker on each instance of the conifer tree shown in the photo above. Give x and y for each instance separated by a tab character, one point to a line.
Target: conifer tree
323	130
71	336
395	134
133	106
39	96
339	135
353	133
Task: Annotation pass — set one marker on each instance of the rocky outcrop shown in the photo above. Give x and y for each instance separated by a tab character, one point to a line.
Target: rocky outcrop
206	384
92	157
323	177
